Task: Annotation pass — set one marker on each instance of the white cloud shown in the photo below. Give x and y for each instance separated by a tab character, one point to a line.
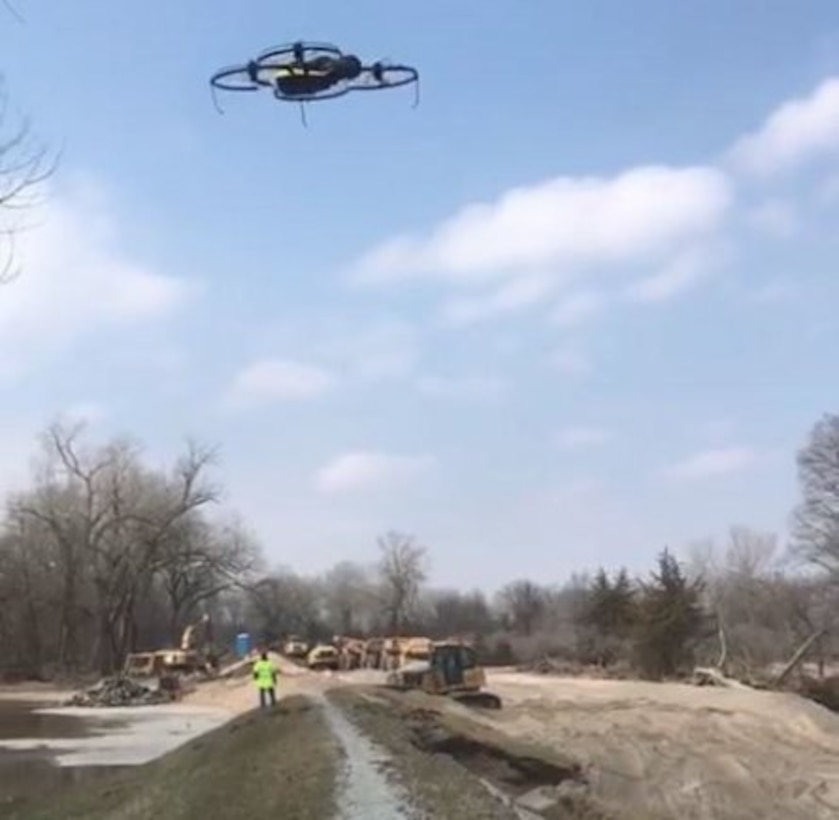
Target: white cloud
798	131
679	275
364	470
570	362
465	387
579	308
76	281
774	218
711	463
278	380
510	297
572	438
560	224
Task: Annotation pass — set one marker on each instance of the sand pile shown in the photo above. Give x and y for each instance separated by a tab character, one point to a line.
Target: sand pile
684	751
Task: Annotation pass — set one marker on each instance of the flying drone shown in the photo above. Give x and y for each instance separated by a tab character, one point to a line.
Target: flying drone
309	72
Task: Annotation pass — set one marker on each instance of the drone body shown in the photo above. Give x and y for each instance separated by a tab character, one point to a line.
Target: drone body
309	72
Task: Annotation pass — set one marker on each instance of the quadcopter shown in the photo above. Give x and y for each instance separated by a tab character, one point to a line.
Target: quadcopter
309	72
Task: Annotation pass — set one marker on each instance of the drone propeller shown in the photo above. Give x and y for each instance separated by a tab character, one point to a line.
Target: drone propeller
379	70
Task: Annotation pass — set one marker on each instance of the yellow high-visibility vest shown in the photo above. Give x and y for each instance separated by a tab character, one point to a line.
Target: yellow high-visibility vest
264	672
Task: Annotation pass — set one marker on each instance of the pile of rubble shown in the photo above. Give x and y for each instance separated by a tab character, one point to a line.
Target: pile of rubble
119	691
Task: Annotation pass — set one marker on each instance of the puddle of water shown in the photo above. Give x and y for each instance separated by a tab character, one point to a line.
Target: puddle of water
365	792
127	736
22	719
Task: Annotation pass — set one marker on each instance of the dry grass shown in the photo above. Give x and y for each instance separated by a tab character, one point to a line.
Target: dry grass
278	763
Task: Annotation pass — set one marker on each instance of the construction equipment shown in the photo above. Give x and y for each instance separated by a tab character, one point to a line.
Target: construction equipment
324	656
373	653
295	648
452	670
194	654
350	652
414	649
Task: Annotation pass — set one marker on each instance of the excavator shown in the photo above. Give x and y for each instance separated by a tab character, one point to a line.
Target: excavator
451	670
194	654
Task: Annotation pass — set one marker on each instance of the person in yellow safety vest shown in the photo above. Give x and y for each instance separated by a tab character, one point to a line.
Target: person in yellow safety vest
265	676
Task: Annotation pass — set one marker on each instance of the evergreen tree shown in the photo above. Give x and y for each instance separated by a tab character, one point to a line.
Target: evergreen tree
669	620
608	617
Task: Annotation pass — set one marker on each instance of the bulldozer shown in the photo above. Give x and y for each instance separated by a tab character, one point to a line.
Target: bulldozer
452	670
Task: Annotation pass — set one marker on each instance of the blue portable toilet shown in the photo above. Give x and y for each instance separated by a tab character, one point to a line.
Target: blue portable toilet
243	644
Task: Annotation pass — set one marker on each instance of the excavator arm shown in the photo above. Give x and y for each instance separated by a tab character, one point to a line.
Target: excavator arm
202	628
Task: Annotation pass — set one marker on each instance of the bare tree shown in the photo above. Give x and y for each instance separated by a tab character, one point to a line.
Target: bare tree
284	603
110	519
403	571
349	598
816	520
198	561
25	165
457	613
524	603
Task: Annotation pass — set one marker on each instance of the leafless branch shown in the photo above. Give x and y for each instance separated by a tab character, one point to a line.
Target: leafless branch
25	166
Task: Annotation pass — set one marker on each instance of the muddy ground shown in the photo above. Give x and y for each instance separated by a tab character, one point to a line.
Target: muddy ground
279	763
353	753
569	748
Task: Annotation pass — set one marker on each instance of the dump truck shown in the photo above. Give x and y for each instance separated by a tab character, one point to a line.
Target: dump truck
295	648
323	656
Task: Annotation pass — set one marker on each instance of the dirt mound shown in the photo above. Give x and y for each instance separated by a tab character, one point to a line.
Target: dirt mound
118	691
680	750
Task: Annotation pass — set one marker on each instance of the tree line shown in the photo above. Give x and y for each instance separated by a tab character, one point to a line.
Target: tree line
104	554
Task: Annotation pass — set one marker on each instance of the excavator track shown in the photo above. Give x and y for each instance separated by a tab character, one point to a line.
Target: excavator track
477	700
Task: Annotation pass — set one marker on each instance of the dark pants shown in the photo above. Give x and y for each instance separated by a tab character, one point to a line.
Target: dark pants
266	695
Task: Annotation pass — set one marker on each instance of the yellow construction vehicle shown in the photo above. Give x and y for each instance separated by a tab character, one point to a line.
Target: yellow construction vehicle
324	656
414	649
295	648
452	670
195	654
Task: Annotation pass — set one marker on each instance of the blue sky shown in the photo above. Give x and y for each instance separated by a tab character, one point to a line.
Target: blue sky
577	305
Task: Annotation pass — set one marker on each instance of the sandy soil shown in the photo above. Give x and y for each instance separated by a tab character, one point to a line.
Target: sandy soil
684	751
650	751
238	694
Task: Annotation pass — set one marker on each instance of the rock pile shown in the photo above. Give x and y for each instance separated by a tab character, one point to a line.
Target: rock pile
119	691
